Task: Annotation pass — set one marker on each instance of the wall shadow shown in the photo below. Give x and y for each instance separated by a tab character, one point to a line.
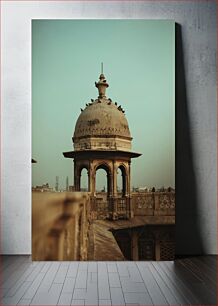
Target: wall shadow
188	234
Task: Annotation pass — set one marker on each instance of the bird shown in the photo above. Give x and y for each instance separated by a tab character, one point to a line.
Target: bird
87	104
92	100
109	99
119	107
81	109
115	103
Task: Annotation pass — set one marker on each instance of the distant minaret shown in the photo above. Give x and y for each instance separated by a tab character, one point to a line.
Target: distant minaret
57	183
67	184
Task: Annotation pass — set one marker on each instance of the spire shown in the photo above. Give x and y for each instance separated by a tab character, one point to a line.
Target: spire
102	84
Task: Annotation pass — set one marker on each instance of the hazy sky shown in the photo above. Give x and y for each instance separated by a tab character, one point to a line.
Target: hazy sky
139	65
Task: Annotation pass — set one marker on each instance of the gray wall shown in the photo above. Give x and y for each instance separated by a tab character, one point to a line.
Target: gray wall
196	113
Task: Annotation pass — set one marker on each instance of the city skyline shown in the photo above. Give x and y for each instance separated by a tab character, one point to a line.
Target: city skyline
100	188
140	69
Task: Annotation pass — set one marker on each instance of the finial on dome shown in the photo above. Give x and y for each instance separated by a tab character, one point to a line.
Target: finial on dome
102	84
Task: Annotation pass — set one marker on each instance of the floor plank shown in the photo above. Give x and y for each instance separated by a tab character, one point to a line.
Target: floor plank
153	289
117	297
24	277
168	292
49	277
17	296
48	298
203	291
69	285
208	274
180	296
65	299
103	282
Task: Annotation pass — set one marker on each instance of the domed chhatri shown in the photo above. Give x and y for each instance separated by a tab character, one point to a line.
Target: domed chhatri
102	140
102	125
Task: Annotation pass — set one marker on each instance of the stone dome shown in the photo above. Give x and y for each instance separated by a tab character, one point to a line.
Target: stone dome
102	124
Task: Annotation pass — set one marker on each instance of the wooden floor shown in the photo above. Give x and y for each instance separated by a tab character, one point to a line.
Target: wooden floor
188	281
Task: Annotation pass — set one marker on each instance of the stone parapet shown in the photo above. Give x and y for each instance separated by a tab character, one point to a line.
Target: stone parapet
153	203
60	223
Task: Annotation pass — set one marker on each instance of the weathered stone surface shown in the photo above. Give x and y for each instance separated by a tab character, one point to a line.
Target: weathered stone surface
60	226
105	245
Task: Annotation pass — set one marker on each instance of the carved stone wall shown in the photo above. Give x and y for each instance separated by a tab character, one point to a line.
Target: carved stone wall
103	143
60	223
153	203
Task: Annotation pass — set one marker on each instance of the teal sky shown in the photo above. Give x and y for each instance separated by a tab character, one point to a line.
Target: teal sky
139	65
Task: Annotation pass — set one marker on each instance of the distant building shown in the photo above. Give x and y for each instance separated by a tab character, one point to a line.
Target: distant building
143	189
67	184
43	188
71	188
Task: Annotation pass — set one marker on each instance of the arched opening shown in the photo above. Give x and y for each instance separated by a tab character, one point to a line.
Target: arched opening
103	182
121	181
101	185
102	188
84	180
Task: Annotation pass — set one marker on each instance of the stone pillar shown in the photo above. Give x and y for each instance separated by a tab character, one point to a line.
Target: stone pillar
77	176
128	179
91	178
114	180
93	187
157	248
125	184
109	184
74	175
135	251
131	209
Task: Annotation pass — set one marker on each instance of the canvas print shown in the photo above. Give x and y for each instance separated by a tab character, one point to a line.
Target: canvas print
103	140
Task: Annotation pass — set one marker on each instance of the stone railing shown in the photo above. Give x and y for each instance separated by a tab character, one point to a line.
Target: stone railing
60	223
114	208
153	203
138	204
